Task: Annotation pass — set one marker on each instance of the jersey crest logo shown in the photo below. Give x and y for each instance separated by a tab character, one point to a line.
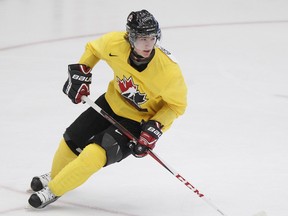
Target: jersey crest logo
130	92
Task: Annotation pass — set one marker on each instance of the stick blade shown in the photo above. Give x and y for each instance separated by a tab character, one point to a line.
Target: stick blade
262	213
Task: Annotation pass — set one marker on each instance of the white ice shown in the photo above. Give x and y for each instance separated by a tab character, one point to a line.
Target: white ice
231	144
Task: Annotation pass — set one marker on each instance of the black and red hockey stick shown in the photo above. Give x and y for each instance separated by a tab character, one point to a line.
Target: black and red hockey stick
154	156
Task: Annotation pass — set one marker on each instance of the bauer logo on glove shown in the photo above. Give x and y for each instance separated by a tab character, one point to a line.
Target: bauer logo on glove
151	132
82	78
77	84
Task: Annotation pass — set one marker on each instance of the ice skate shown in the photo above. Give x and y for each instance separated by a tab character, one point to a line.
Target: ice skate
39	182
42	198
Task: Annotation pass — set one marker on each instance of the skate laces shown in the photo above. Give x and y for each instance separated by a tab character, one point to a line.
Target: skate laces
45	178
46	195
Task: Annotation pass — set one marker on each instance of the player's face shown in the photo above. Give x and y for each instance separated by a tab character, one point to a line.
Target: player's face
144	45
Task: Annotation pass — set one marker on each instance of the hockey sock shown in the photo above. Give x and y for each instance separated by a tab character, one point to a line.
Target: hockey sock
89	161
62	157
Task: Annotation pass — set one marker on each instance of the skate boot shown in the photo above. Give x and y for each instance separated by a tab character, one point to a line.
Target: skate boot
42	198
39	182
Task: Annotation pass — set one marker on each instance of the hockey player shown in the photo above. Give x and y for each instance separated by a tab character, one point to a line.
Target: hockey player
147	94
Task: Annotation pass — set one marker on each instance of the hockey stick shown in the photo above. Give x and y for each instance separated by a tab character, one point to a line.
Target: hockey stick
152	154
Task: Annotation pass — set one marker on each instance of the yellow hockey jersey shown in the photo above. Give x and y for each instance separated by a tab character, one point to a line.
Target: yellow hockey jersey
158	93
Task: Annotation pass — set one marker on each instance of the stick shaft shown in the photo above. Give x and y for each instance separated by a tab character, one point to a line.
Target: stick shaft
152	154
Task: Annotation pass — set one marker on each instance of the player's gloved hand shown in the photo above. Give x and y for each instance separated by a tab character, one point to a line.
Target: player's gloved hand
77	84
151	132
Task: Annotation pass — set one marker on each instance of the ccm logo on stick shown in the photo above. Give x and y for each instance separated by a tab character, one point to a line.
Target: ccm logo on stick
189	185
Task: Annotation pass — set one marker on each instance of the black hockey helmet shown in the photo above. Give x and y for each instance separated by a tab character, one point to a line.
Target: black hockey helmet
141	23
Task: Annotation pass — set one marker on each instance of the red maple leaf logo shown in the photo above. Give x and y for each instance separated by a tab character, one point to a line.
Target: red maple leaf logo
130	92
127	86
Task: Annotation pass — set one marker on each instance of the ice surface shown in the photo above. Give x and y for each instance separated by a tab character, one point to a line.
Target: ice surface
262	213
231	144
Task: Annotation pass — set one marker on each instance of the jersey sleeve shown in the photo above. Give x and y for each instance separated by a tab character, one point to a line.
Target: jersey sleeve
95	50
175	97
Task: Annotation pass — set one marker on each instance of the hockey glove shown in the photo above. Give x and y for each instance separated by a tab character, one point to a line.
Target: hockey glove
77	84
151	132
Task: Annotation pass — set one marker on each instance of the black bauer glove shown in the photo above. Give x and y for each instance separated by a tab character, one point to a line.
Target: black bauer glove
151	132
77	84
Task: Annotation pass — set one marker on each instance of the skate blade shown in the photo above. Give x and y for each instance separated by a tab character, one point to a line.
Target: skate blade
29	190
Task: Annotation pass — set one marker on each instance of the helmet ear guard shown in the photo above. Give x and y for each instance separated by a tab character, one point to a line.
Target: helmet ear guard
141	23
